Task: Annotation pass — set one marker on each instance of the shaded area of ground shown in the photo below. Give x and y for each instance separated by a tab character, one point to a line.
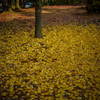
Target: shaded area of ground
51	15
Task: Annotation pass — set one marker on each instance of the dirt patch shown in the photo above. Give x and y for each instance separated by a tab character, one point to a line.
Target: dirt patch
53	10
51	14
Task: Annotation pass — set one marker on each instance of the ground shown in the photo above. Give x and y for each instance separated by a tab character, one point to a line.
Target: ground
64	65
52	14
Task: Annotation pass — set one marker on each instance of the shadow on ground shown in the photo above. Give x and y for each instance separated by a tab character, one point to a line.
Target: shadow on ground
25	18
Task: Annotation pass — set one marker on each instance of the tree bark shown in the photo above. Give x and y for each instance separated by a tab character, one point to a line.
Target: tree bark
89	6
43	2
17	4
9	5
69	2
22	3
3	5
38	19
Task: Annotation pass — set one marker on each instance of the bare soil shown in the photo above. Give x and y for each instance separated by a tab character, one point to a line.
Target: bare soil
65	14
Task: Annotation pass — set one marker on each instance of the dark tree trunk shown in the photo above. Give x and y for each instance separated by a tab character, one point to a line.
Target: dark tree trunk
17	4
38	18
9	5
68	1
22	3
3	5
89	1
90	6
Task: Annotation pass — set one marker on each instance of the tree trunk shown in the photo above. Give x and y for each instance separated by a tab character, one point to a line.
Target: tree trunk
17	4
69	2
9	5
43	2
89	6
3	5
22	3
38	19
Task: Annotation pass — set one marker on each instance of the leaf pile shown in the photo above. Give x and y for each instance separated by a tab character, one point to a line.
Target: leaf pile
65	64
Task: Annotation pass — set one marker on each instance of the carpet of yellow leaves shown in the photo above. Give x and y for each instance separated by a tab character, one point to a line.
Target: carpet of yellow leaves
64	65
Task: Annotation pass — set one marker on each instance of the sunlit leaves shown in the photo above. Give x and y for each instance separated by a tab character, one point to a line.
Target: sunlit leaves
65	64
